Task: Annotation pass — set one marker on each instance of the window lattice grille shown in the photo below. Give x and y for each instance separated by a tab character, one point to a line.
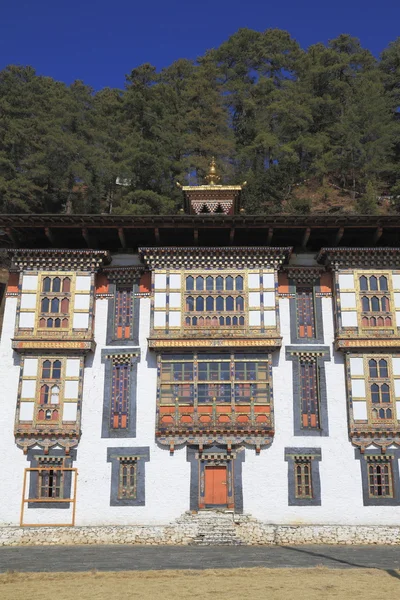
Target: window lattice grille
127	482
303	477
380	477
225	379
55	302
309	392
214	301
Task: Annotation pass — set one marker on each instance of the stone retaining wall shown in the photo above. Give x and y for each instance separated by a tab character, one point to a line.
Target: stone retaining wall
185	530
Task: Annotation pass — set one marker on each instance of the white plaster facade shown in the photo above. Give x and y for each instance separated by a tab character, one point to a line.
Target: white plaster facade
167	477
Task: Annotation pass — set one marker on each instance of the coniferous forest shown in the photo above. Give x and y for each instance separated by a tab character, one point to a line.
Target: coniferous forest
314	129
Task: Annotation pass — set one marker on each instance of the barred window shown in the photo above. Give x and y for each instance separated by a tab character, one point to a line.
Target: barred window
302	473
380	477
305	311
55	300
221	302
220	379
309	394
50	478
120	395
123	306
375	301
127	480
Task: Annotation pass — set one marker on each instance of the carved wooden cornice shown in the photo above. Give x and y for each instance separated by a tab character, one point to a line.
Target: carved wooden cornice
56	260
338	258
304	274
214	258
363	438
123	275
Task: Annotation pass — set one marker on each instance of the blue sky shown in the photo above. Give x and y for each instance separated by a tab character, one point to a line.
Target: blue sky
100	41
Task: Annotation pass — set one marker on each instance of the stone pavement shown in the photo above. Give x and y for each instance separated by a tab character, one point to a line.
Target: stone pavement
137	558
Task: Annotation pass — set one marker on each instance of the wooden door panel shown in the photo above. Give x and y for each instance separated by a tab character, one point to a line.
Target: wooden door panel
216	492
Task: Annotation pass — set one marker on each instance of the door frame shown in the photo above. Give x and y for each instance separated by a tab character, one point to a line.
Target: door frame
220	460
219	454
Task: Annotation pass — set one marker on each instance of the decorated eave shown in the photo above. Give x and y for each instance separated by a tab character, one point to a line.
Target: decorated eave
212	198
342	258
125	233
54	259
216	257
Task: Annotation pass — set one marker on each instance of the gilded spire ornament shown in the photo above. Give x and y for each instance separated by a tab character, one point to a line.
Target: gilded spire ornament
212	178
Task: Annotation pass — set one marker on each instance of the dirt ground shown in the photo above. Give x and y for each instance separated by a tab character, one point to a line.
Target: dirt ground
225	584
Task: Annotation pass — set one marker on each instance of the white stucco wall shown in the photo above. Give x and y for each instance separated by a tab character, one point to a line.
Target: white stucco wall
167	478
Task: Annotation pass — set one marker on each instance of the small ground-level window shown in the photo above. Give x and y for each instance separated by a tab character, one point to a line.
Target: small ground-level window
127	478
50	479
380	478
303	483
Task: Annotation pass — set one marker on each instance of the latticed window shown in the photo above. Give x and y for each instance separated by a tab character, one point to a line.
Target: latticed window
380	477
50	385
303	479
120	394
375	301
127	482
309	393
123	313
214	379
214	301
380	390
50	478
305	311
55	300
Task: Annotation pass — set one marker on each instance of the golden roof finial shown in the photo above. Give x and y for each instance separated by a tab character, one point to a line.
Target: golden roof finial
212	178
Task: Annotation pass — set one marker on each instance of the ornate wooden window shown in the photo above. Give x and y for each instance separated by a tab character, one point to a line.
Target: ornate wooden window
55	302
127	479
303	477
305	311
375	301
309	393
50	481
123	307
380	477
120	394
214	301
50	390
380	393
50	385
225	379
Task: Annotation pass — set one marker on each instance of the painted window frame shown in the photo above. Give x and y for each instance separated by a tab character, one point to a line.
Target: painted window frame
319	354
140	456
35	457
374	454
133	287
392	380
318	337
54	333
109	358
260	299
231	359
60	382
313	456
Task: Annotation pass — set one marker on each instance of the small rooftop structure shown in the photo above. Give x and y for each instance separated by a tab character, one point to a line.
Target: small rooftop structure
212	197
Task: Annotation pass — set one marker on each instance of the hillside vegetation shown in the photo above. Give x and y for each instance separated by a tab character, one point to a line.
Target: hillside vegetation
314	129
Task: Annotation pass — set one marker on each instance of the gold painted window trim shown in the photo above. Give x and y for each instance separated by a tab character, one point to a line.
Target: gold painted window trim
370	380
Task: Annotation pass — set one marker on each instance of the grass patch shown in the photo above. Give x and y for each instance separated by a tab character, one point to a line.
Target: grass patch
224	584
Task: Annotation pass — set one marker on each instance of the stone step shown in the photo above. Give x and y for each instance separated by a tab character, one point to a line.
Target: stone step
214	528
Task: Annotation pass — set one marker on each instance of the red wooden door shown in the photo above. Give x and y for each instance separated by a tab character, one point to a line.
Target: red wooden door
216	489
